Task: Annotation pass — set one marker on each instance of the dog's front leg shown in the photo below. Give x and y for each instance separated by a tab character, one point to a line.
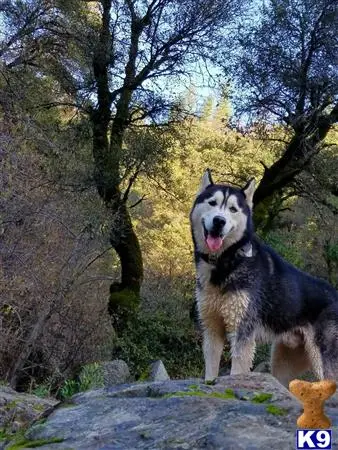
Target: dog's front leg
213	343
242	354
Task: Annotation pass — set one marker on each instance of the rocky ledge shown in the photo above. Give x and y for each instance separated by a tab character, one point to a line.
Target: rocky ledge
238	412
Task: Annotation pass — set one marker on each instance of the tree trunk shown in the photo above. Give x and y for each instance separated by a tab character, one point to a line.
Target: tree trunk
124	296
107	157
129	250
122	235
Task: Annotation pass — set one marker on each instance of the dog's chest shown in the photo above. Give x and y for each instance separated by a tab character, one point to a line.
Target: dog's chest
230	305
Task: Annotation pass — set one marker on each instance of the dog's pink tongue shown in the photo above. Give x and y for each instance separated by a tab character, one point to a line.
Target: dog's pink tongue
214	243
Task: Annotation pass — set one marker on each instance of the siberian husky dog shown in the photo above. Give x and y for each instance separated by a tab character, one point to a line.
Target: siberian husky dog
247	292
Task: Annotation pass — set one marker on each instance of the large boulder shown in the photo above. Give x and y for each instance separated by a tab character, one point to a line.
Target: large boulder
18	410
115	372
238	412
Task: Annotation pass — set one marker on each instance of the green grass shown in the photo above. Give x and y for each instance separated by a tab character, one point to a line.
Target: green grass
42	390
230	393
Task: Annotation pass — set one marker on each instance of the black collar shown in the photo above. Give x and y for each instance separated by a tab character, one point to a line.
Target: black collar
241	249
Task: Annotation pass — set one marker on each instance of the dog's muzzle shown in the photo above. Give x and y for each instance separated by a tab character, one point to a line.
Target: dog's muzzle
215	235
218	223
217	228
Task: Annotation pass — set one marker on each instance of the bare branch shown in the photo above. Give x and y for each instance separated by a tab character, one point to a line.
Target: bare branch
131	181
138	201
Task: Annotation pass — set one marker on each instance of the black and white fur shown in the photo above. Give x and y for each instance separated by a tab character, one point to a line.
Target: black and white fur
247	292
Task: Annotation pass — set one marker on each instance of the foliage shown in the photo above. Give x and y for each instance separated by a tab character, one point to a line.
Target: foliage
286	65
110	53
156	335
123	305
285	248
332	252
69	388
42	390
286	60
45	322
262	354
91	376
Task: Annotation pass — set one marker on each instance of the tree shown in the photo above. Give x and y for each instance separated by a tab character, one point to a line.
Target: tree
163	37
207	108
287	69
223	108
117	62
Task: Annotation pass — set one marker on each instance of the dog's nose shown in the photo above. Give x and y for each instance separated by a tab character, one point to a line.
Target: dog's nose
218	221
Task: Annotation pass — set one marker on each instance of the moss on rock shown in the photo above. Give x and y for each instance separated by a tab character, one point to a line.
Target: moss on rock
228	394
125	298
276	410
26	443
262	397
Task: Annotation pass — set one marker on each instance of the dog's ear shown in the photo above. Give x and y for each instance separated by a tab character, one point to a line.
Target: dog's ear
206	181
249	190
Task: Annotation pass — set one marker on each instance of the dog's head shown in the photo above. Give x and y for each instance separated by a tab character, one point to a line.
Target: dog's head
221	215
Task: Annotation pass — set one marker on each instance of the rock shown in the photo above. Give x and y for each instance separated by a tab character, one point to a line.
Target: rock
158	372
238	412
19	410
263	367
115	372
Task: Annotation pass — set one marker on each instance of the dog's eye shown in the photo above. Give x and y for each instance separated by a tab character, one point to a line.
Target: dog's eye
212	203
233	209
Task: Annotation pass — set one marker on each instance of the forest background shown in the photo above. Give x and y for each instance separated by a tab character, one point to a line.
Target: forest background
110	111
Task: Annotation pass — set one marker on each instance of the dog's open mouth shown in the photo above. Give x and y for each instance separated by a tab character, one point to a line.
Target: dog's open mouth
214	241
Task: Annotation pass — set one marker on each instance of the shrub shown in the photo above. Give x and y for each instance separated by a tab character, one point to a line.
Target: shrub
156	336
91	376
